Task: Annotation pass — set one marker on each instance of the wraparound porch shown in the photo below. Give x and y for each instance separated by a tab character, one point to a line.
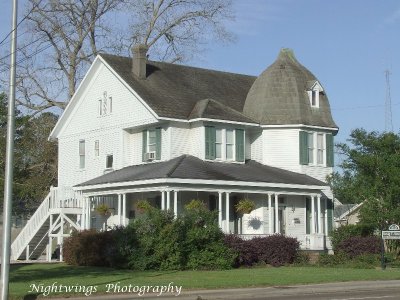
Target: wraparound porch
297	213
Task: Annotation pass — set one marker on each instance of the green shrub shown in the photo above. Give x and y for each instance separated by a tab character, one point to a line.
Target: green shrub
344	232
329	260
302	259
366	261
193	240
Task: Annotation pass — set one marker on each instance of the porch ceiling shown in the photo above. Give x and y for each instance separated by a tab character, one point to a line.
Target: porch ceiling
190	167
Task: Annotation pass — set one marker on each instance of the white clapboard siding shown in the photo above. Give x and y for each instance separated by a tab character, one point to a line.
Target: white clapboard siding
85	123
281	148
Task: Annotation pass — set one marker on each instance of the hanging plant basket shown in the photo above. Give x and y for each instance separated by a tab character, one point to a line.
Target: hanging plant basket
245	206
103	209
143	206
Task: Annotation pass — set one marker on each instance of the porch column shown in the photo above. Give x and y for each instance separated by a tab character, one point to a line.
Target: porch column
162	200
176	203
312	215
88	211
83	217
270	227
326	215
61	236
119	208
50	248
276	214
319	214
227	213
168	200
220	209
124	209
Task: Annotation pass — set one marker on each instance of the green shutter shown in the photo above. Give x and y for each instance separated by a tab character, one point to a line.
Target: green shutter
144	145
329	150
303	147
239	144
210	137
329	211
308	215
158	143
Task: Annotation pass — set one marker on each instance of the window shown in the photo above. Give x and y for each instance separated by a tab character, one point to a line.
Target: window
229	144
218	143
314	93
96	148
151	145
224	144
310	143
320	149
109	161
151	149
314	98
105	105
316	148
81	154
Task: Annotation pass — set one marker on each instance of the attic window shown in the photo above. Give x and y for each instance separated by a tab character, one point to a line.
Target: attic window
105	105
314	93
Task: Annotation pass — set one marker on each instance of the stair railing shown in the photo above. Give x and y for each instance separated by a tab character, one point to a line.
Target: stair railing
30	229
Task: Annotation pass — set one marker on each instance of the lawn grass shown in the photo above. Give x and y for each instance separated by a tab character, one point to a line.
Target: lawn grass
22	276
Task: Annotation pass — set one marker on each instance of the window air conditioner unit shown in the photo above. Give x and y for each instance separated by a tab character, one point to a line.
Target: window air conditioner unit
150	156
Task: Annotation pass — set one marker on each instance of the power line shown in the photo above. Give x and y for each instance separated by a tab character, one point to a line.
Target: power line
23	19
23	47
30	55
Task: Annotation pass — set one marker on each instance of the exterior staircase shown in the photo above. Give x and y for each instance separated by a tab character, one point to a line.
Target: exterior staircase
61	209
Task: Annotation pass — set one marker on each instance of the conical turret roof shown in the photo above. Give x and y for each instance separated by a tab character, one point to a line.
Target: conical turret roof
279	96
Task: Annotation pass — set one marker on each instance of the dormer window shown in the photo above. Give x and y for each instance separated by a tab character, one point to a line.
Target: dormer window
105	105
313	92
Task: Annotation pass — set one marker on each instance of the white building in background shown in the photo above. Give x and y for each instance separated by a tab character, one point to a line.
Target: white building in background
144	130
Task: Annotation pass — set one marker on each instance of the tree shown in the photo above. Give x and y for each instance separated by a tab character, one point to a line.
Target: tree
371	174
66	35
35	158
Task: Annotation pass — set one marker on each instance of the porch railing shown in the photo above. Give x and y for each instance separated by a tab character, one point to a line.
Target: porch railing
65	197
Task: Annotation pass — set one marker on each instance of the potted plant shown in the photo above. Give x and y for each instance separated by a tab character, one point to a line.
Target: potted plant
245	206
143	206
103	209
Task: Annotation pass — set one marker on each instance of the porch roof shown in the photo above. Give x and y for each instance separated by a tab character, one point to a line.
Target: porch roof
190	167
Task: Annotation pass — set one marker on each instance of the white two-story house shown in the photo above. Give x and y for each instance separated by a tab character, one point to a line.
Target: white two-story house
144	130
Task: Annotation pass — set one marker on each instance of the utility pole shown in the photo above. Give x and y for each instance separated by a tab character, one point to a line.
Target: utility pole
388	104
8	180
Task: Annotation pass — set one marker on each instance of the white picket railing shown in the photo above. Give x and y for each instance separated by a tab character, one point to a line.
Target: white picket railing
30	229
65	197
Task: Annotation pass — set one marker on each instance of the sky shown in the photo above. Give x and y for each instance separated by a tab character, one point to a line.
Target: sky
347	44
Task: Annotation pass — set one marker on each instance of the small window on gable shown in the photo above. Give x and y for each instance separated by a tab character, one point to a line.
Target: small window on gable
109	161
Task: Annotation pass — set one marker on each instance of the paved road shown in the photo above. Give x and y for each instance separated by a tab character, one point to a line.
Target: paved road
365	290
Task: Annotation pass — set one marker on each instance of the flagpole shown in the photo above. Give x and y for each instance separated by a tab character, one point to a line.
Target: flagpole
5	258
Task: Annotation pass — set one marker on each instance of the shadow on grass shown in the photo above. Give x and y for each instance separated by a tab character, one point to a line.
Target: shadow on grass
43	272
31	297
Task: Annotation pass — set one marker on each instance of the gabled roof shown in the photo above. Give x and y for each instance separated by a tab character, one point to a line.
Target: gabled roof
172	91
190	167
212	109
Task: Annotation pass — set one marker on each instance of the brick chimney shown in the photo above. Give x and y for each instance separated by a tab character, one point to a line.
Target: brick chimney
139	60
